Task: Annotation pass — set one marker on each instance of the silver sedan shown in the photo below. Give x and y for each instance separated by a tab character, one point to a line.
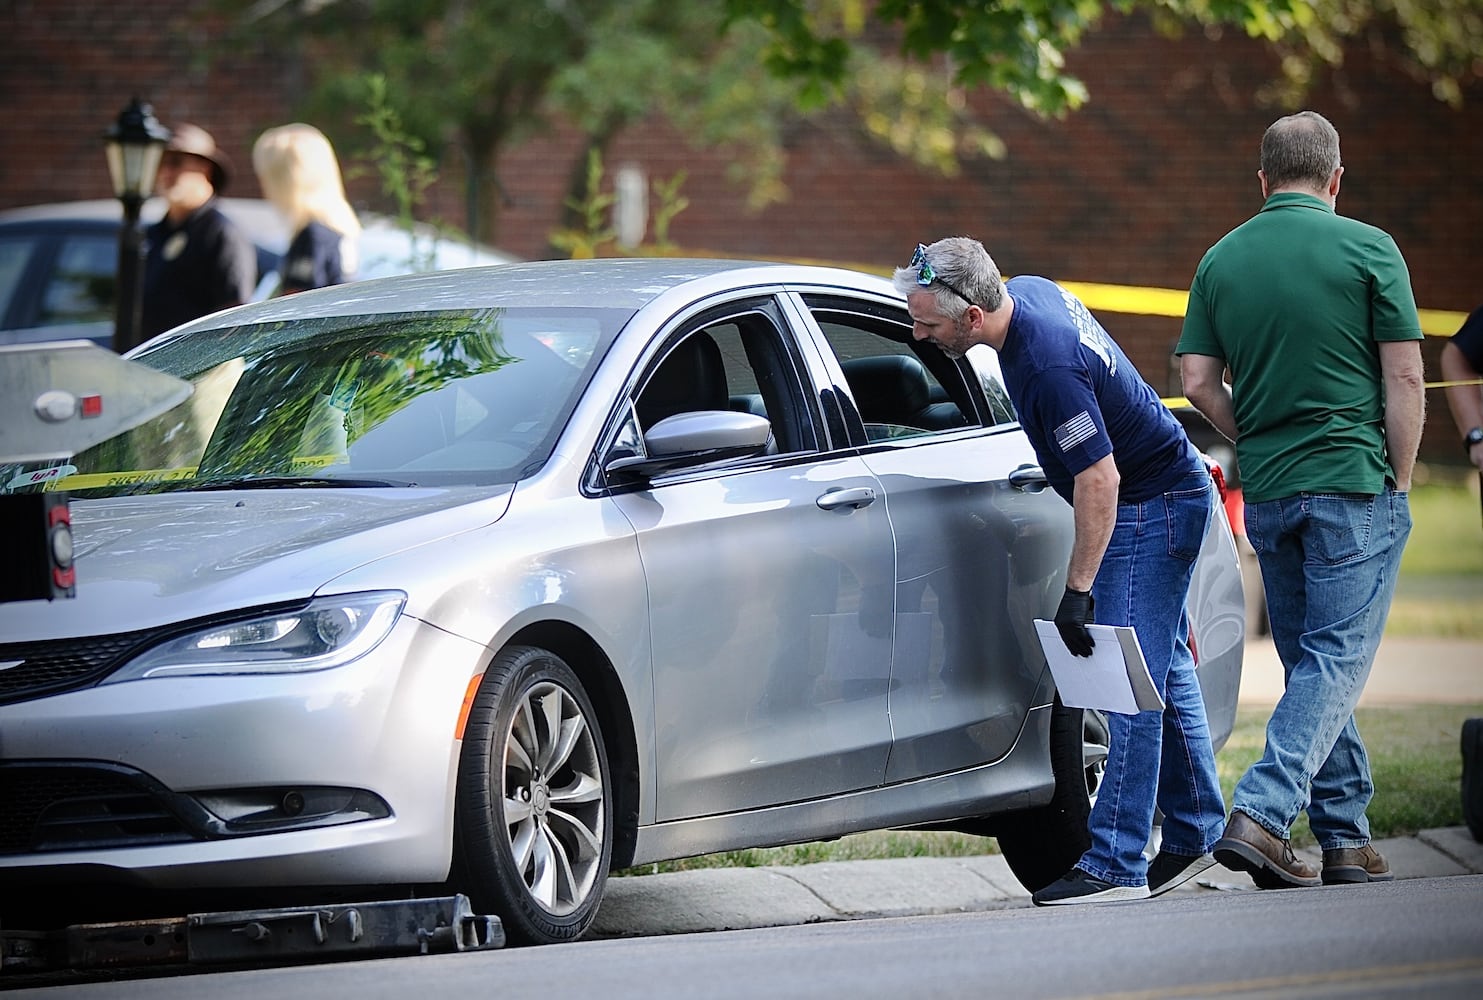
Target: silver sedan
507	578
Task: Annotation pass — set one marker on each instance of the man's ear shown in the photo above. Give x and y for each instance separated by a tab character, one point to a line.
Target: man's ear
1263	178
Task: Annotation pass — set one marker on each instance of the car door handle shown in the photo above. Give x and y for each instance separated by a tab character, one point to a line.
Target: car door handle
1029	478
854	498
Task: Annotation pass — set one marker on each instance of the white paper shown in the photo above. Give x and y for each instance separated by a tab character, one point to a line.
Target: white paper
1114	678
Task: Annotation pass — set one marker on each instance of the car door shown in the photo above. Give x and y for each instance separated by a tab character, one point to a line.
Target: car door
769	582
981	544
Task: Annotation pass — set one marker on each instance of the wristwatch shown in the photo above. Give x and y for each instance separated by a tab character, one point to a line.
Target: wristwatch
1474	437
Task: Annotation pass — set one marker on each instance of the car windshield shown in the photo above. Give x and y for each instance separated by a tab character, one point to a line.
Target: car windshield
439	399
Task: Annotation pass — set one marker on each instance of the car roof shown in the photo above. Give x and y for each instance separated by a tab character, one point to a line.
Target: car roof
99	209
615	283
382	243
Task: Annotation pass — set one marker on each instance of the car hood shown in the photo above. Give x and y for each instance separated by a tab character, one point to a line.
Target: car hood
145	561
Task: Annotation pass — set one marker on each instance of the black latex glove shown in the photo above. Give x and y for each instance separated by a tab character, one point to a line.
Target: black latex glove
1071	621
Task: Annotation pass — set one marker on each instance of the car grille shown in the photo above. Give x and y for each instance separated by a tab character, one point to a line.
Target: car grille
33	669
65	806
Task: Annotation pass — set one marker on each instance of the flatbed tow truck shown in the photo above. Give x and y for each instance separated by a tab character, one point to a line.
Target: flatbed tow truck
55	400
276	936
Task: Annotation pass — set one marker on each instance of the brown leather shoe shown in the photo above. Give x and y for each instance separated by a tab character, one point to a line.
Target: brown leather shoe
1250	847
1346	865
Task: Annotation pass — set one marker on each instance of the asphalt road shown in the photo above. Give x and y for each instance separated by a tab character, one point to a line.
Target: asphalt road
1421	937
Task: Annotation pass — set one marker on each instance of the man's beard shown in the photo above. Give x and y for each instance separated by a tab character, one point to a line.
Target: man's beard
960	331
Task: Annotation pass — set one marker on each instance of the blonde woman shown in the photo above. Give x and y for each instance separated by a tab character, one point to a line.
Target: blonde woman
300	175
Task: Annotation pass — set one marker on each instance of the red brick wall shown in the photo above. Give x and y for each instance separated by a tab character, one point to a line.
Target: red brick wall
67	67
1131	189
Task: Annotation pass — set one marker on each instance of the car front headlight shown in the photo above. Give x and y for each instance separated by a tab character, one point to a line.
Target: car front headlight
330	632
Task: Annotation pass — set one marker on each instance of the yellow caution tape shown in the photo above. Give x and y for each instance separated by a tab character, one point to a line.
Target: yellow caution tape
301	465
1128	299
1132	299
94	480
1170	302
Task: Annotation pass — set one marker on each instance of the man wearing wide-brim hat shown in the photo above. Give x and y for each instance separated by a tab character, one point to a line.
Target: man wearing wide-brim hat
198	261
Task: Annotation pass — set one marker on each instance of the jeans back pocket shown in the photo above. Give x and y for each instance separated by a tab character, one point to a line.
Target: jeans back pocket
1187	513
1341	525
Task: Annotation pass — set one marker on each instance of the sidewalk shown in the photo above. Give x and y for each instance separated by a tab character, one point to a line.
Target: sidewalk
1406	671
716	899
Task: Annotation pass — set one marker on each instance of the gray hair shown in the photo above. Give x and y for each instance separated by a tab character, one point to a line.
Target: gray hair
963	263
1301	149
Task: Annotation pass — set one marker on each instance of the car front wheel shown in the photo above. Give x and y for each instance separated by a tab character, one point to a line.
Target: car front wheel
534	828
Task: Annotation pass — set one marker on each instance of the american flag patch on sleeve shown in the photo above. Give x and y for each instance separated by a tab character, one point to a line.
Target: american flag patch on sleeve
1076	430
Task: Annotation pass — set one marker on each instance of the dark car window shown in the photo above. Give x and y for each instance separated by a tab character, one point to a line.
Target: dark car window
740	362
15	256
985	363
900	389
81	286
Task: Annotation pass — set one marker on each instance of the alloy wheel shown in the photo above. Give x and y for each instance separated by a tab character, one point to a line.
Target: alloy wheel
553	798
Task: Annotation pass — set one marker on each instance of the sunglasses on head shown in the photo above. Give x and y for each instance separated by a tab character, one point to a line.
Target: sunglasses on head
926	274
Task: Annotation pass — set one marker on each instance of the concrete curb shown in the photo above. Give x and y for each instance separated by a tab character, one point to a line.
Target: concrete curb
717	899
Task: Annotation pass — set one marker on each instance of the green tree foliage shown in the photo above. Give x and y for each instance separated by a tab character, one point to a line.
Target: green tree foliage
400	161
312	405
675	62
1019	46
583	241
1439	42
670	203
681	63
465	79
461	74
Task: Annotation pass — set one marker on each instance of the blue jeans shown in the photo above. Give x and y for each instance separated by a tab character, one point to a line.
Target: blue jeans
1161	759
1329	565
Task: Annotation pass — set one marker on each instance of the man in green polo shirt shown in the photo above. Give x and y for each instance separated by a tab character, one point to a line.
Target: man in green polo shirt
1313	316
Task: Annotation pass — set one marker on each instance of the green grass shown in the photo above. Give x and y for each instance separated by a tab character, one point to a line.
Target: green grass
871	846
1415	760
1440	591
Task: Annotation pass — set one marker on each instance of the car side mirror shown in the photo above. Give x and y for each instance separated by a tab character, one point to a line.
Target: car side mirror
693	439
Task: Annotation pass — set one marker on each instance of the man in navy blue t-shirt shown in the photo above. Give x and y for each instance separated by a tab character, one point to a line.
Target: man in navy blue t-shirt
1142	500
1462	364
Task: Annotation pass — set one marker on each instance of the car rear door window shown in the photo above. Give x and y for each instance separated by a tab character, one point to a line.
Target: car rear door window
900	388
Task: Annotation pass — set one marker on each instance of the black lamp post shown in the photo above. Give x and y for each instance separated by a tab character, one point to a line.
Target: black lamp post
134	145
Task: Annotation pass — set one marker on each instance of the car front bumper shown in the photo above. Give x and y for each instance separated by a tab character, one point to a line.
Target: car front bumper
383	726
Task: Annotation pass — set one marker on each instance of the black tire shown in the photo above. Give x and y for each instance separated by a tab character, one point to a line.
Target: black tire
1472	776
1043	844
534	818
